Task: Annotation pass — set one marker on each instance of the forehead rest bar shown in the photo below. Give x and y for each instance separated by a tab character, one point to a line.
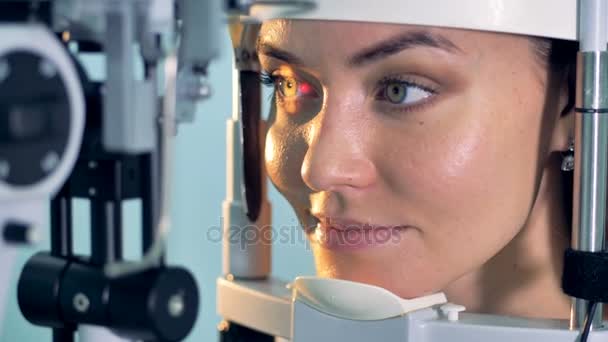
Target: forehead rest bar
543	18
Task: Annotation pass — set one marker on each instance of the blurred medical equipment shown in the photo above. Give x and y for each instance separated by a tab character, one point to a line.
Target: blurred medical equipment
64	136
41	128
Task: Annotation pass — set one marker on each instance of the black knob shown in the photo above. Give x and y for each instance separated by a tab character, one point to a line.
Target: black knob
158	304
19	233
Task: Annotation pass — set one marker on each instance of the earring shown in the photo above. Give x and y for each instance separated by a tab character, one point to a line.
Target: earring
568	161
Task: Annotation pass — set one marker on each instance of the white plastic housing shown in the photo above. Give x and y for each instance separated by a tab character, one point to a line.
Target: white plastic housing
545	18
357	301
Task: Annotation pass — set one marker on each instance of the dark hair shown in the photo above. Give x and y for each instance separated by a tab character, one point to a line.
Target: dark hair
560	57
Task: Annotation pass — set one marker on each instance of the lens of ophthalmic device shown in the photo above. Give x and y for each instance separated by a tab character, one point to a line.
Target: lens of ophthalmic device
42	115
41	112
34	118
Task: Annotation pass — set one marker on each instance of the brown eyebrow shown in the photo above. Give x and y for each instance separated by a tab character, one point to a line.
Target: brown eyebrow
274	52
402	42
374	53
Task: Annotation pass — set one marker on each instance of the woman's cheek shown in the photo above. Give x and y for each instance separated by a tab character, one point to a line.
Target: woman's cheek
284	153
446	179
471	180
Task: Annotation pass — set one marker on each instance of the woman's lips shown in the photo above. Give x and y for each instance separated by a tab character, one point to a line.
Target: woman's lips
351	235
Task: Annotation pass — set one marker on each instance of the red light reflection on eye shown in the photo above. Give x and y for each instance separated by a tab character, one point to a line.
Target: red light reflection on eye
307	90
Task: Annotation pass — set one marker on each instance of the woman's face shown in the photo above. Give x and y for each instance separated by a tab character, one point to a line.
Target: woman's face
411	155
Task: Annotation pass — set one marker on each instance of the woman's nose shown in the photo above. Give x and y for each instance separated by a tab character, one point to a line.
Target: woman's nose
338	155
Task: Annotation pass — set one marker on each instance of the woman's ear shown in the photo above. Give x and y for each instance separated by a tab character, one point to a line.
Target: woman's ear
564	127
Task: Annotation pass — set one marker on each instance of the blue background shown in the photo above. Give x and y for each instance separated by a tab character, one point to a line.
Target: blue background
199	189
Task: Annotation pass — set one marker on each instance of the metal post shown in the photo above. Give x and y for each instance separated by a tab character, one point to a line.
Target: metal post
61	224
149	199
61	244
591	142
106	231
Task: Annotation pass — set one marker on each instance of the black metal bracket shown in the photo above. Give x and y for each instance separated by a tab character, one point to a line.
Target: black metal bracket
585	275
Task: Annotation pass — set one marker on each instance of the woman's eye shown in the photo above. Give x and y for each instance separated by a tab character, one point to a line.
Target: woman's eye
290	87
403	93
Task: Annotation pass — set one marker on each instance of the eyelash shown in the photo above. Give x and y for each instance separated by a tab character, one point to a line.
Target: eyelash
270	80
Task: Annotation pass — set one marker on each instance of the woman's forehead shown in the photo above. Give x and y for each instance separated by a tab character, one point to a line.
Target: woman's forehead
345	40
348	36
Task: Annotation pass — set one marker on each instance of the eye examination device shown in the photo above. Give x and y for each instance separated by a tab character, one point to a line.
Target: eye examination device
64	135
